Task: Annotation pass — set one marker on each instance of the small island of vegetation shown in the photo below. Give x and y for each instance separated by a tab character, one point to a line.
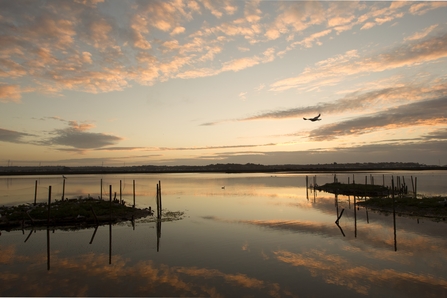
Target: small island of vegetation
76	213
382	199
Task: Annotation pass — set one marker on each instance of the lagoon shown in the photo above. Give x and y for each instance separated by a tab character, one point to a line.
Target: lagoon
242	235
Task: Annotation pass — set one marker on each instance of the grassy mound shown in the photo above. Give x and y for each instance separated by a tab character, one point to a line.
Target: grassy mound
368	190
423	206
87	211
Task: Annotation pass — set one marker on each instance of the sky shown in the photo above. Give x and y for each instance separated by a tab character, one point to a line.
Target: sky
197	82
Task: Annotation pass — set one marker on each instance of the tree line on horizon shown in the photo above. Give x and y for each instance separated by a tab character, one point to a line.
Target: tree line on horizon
228	167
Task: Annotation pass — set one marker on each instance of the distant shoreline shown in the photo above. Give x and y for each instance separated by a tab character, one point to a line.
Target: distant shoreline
217	168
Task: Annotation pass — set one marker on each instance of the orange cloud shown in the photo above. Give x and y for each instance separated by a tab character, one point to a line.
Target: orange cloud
341	66
10	93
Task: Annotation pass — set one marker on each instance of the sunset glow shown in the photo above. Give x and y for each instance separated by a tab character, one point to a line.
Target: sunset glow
184	82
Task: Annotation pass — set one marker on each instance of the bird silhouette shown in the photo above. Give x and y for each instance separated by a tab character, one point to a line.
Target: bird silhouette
316	118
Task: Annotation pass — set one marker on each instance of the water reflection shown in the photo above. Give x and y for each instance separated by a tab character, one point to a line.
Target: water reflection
261	236
110	242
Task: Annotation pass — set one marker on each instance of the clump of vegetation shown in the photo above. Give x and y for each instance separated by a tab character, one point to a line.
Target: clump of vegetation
354	189
86	211
435	206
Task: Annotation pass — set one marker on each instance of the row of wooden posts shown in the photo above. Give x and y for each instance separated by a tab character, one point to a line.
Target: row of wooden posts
158	199
400	187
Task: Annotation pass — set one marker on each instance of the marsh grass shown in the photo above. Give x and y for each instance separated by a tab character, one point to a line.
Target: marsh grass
65	209
435	206
354	189
77	211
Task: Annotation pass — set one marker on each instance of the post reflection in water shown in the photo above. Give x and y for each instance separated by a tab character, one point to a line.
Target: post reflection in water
256	238
356	208
110	242
48	247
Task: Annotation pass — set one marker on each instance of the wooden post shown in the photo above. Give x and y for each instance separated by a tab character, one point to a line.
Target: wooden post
110	225
110	199
35	193
412	184
394	215
100	196
307	187
353	179
158	208
134	193
63	189
355	218
159	187
383	180
392	189
121	193
49	204
415	186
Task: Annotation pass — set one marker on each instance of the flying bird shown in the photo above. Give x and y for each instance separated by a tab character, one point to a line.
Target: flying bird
316	118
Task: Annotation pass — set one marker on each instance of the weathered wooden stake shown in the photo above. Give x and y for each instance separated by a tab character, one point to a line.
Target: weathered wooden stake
394	215
100	196
121	193
134	193
63	190
159	187
307	187
415	186
110	199
412	184
158	201
35	193
392	189
355	218
49	205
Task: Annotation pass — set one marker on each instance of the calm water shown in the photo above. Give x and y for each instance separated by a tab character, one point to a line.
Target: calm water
259	236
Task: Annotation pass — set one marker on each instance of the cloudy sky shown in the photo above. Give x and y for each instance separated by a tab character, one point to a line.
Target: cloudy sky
98	82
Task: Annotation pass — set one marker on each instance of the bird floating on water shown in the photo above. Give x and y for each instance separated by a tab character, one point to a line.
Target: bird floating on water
316	118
